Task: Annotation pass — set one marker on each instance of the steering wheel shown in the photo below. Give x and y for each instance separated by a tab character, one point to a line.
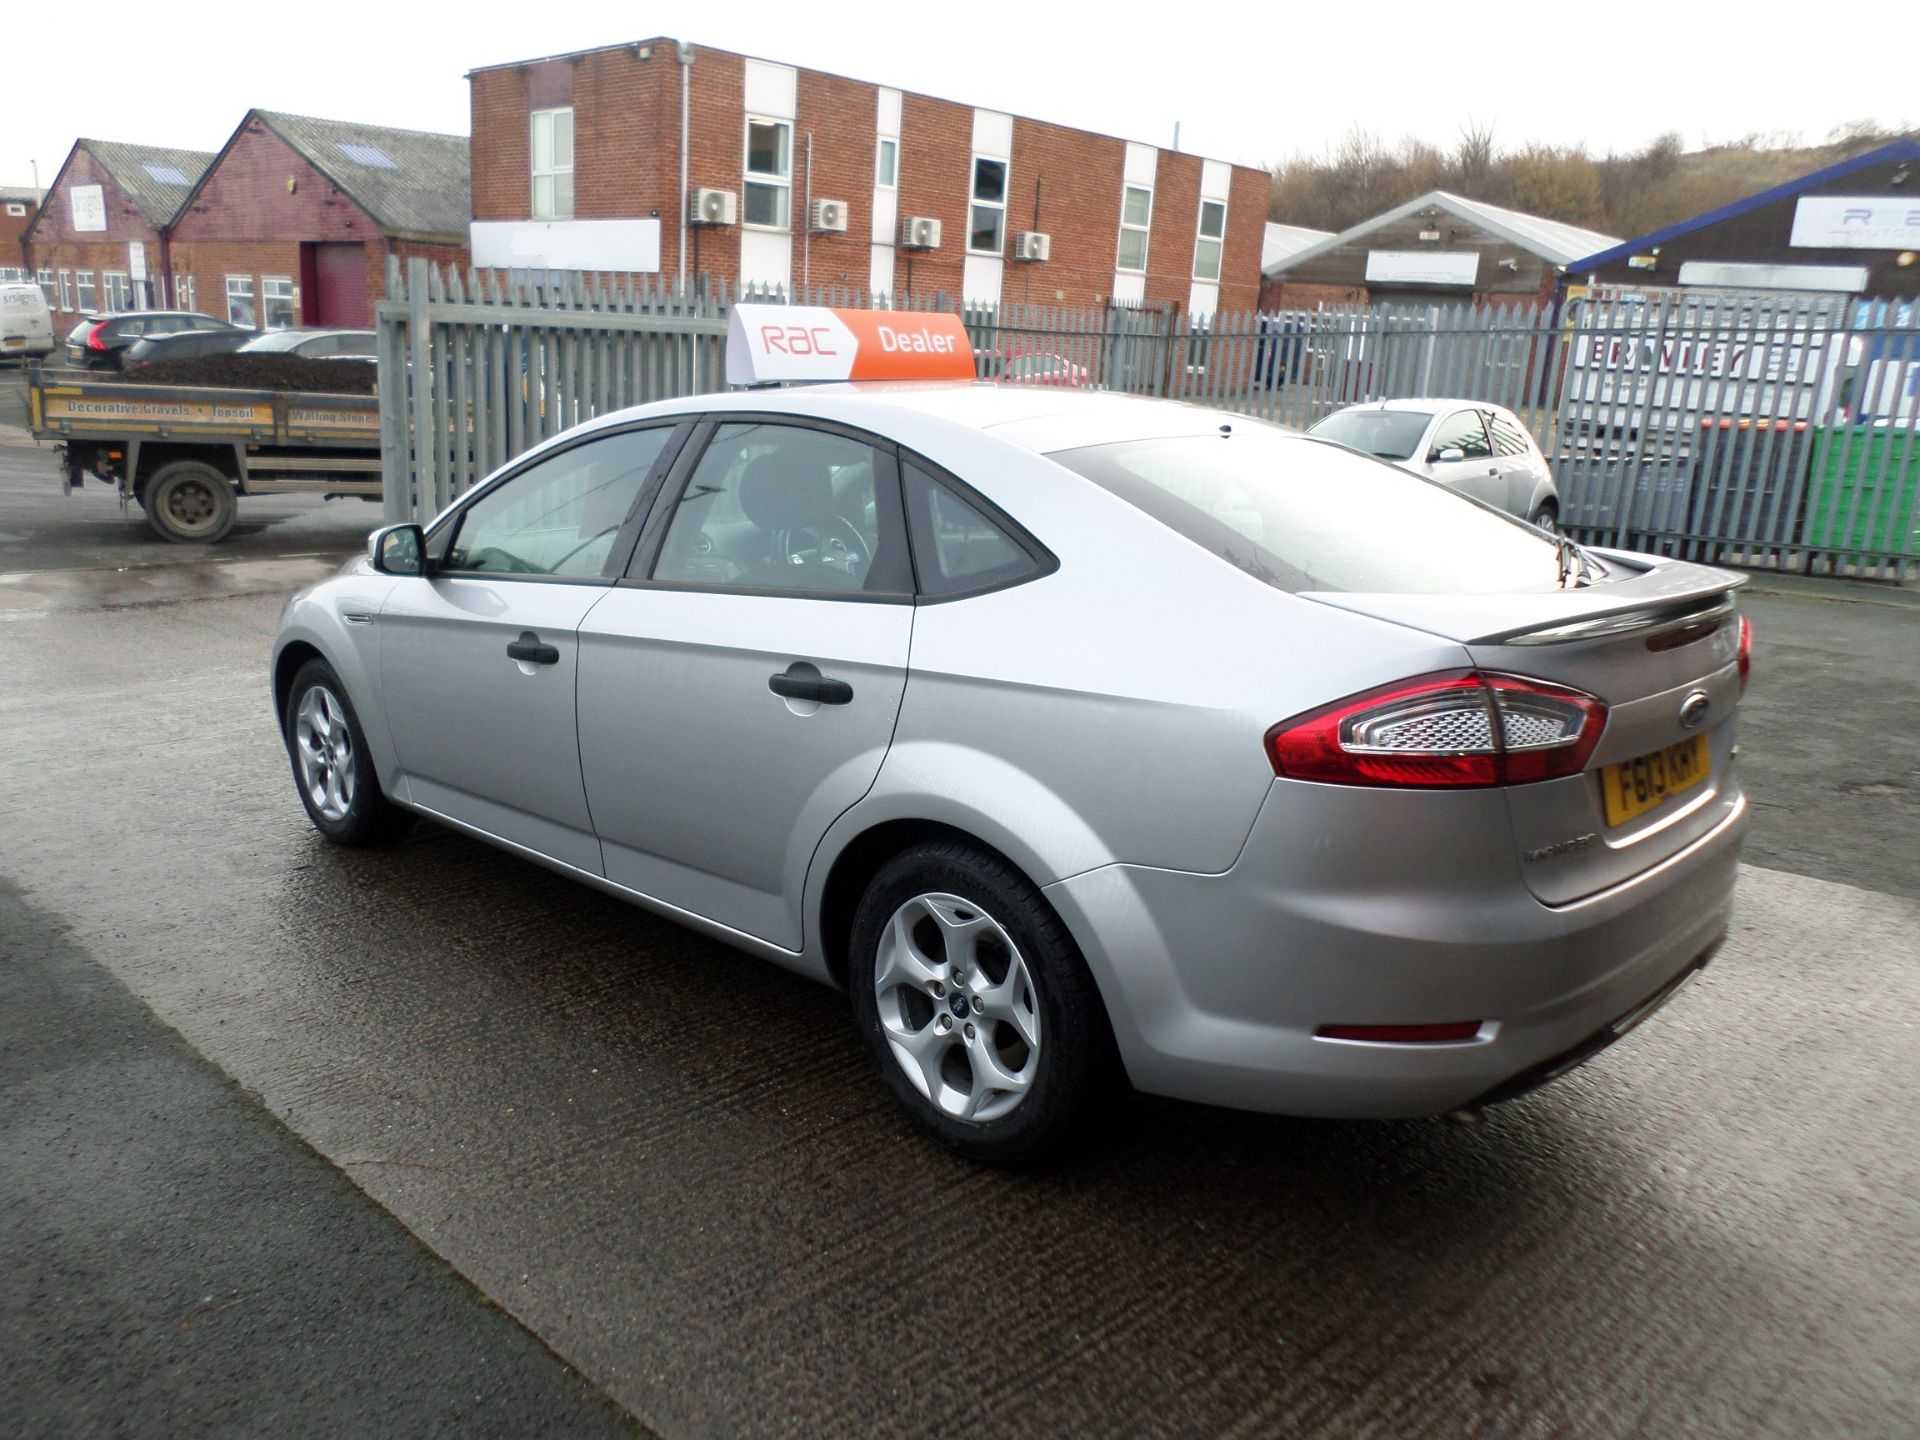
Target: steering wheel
837	546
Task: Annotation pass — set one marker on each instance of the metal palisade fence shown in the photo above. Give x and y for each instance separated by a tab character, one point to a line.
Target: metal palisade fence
1767	431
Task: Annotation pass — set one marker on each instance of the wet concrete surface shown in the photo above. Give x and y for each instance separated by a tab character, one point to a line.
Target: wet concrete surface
670	1162
233	1281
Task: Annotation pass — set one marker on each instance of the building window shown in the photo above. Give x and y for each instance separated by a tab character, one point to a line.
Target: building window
119	291
1213	233
553	164
45	277
183	292
66	290
1136	219
886	164
276	299
86	296
15	208
987	221
769	172
240	301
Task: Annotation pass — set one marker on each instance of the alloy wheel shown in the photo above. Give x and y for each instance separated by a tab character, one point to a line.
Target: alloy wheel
323	743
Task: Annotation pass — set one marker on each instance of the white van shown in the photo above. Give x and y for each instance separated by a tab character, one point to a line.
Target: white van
26	326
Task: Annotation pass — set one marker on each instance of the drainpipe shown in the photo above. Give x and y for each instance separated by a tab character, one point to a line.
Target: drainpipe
686	90
806	222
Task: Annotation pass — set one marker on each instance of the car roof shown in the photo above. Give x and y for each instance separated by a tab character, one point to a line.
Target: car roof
1038	418
1425	405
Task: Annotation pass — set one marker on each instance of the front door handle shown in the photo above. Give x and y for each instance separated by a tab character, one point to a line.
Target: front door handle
796	684
529	649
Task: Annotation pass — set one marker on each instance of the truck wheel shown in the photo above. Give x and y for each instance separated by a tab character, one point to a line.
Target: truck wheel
190	502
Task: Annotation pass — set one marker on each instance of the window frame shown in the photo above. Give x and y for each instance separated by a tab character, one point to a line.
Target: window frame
183	292
1201	238
267	297
85	284
1144	230
44	278
766	179
66	292
881	146
886	492
974	202
253	302
445	528
548	167
124	287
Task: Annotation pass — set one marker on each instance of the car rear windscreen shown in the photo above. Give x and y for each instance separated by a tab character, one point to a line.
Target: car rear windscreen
1300	514
1390	434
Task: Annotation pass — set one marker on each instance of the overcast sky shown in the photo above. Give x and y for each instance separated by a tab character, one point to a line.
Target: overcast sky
1255	83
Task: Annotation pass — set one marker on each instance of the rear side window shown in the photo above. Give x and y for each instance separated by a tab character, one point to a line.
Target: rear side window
1303	515
1508	438
957	548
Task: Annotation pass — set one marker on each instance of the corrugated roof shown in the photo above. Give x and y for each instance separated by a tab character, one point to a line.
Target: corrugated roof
1551	240
146	173
1899	150
411	182
1284	240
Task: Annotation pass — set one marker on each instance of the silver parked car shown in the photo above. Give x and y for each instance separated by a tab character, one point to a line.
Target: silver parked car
1083	739
1470	446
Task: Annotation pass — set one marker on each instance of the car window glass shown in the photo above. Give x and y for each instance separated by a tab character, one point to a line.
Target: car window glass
956	547
1462	429
1508	438
778	507
559	517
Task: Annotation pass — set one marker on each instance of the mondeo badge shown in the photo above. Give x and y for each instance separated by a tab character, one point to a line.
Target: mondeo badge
1693	709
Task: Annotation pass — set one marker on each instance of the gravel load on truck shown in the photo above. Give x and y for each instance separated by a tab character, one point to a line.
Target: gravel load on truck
261	372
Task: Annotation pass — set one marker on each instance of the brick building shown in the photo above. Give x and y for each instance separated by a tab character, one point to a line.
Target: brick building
796	177
1848	229
1435	249
17	209
293	221
99	241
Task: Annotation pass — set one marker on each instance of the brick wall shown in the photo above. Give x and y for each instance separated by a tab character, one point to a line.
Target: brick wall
626	159
1299	295
13	253
57	246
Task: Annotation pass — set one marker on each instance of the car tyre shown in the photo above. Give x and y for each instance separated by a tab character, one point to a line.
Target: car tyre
333	770
189	502
1546	518
976	1006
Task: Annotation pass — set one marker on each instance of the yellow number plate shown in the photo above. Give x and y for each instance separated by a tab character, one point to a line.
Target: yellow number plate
1634	787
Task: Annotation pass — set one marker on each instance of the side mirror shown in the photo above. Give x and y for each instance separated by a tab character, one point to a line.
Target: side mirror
398	550
1450	454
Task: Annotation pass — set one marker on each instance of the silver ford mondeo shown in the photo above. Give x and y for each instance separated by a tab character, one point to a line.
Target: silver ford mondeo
1076	736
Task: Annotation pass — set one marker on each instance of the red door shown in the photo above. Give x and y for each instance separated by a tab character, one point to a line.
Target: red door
340	284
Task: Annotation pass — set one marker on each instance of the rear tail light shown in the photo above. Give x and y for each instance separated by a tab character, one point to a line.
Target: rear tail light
94	342
1459	729
1746	651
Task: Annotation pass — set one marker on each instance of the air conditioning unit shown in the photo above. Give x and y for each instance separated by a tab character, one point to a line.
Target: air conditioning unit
920	232
1031	245
829	215
715	207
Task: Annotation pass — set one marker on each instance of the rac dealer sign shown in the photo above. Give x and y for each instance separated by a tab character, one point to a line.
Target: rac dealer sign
767	343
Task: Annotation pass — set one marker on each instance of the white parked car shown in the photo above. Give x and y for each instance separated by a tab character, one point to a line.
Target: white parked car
1477	449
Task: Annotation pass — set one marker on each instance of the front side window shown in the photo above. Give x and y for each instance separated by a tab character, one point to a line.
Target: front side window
240	309
886	164
957	548
85	295
119	290
769	173
553	164
1463	431
987	218
1136	219
276	295
781	507
1212	236
560	517
1282	509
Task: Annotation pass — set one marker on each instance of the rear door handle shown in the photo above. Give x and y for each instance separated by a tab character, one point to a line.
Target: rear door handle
529	649
802	686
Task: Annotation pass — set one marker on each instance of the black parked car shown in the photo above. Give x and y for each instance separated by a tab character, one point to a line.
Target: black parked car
183	345
99	341
313	344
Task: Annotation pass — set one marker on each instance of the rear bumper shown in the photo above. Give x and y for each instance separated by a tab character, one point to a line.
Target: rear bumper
1217	983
